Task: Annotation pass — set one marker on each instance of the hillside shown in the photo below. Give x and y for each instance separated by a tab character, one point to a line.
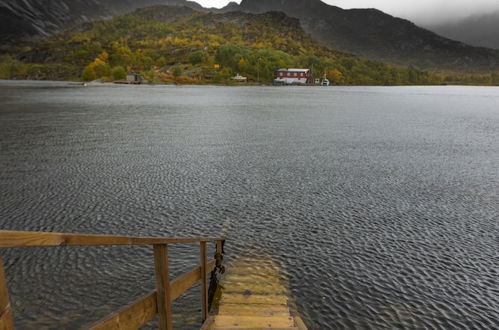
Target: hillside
368	33
373	34
26	19
177	43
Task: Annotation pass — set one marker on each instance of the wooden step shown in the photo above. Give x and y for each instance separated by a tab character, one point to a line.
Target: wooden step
264	271
238	298
253	310
240	321
246	288
232	277
254	295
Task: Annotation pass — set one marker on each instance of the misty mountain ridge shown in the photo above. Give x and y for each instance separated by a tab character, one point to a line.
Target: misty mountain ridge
27	19
476	30
372	34
202	47
368	33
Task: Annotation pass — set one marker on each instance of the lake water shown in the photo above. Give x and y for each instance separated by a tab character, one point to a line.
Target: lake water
381	204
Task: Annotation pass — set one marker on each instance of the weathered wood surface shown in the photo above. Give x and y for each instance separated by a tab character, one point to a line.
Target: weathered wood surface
30	239
255	295
300	324
186	281
6	322
143	310
204	284
254	322
161	267
131	317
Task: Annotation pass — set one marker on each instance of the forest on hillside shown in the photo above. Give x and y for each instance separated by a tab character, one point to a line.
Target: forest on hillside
177	44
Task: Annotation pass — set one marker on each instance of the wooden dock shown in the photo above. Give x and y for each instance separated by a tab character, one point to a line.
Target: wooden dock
136	314
254	294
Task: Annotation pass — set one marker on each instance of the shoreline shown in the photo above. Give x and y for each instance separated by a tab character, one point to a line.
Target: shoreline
73	83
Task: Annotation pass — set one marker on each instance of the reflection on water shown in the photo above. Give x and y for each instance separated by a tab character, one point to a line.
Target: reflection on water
380	204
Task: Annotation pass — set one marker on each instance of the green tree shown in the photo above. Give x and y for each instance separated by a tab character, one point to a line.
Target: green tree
230	54
223	76
334	76
242	65
101	68
198	57
161	62
6	67
89	73
495	78
118	73
177	71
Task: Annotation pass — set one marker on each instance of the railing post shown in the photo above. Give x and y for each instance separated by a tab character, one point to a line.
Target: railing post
204	285
6	322
163	286
219	248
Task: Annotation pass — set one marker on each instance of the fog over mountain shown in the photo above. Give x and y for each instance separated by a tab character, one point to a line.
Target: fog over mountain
475	22
369	33
477	30
422	12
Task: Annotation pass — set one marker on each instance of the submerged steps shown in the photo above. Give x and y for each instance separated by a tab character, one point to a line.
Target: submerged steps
254	295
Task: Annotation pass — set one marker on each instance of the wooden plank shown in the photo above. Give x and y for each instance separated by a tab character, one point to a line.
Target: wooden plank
270	272
163	287
30	239
143	310
6	322
186	281
204	283
238	298
254	288
239	321
210	266
232	277
253	310
300	324
219	247
208	324
131	317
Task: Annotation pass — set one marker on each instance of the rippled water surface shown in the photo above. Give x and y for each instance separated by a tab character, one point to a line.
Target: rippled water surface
380	204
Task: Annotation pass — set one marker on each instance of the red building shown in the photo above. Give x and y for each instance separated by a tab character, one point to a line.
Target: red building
292	76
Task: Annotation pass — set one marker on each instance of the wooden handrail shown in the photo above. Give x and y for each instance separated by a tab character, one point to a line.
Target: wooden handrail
133	316
204	285
143	310
10	238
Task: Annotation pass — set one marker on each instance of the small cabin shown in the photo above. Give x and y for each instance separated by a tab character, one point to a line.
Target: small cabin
292	76
134	78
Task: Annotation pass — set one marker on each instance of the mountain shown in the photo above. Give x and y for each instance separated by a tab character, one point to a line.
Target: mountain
373	34
477	30
25	19
179	44
369	33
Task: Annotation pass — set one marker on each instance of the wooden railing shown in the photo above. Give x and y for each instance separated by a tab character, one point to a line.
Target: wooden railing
141	311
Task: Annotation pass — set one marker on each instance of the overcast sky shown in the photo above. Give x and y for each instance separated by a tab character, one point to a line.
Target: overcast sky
420	11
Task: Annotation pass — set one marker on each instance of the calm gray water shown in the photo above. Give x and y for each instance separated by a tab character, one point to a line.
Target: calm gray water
381	204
